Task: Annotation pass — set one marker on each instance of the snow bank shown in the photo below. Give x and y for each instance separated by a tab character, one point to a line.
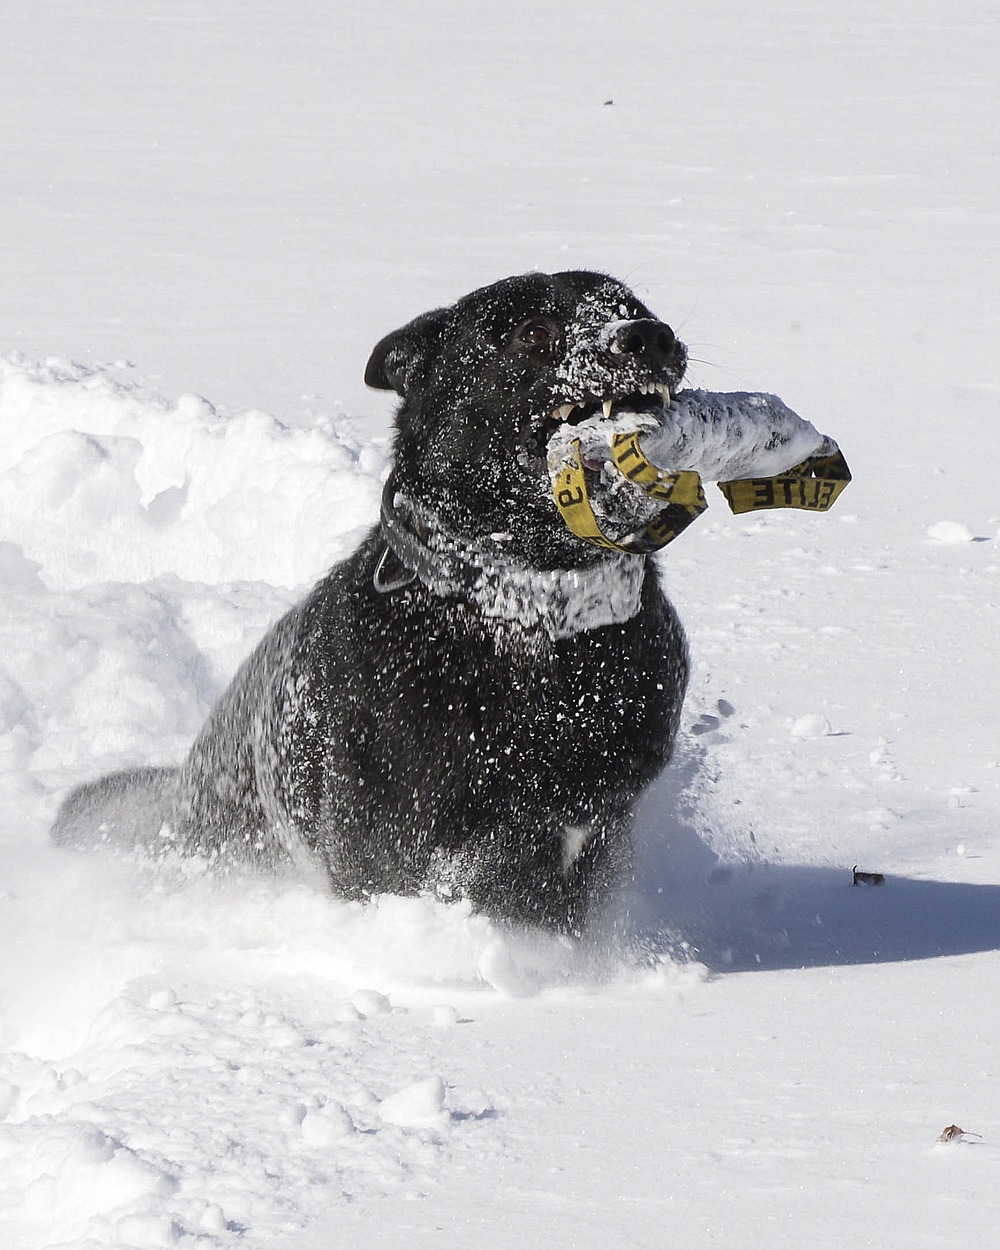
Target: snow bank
200	1061
147	544
147	486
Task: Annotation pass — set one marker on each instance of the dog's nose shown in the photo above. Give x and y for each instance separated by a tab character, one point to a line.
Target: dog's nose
649	339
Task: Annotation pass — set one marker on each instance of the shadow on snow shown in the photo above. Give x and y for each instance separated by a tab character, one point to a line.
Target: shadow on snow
738	917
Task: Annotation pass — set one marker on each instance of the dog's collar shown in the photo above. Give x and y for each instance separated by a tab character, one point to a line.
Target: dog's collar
561	602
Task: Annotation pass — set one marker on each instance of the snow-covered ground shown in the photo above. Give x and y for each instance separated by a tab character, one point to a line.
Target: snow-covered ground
236	199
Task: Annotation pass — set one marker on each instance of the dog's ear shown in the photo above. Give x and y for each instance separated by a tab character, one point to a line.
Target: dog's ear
400	358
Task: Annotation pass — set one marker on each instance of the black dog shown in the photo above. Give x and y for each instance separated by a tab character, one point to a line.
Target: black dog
474	700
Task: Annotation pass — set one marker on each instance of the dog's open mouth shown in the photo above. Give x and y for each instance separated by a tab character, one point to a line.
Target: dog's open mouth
601	418
593	421
592	426
643	398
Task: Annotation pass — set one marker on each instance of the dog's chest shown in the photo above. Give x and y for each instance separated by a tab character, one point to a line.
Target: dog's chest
428	717
500	704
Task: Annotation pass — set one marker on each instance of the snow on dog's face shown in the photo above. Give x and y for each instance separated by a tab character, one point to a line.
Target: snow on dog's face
487	384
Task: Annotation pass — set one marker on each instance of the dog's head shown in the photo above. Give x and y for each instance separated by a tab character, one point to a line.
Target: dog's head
487	382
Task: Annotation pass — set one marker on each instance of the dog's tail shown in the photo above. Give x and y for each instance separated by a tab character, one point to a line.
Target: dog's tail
130	810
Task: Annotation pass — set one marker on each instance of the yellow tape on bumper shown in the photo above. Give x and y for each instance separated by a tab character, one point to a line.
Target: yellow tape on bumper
816	484
681	493
573	501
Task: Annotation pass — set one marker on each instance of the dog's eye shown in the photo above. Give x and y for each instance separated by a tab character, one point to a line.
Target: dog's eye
537	333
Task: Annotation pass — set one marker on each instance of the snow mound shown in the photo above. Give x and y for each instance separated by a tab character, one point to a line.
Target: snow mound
147	544
195	1057
419	1105
950	532
149	486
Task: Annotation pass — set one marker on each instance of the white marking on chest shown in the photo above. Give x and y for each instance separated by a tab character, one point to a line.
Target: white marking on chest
575	839
563	602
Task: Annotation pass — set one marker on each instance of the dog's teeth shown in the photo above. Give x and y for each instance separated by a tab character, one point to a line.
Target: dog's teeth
564	412
607	407
663	391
